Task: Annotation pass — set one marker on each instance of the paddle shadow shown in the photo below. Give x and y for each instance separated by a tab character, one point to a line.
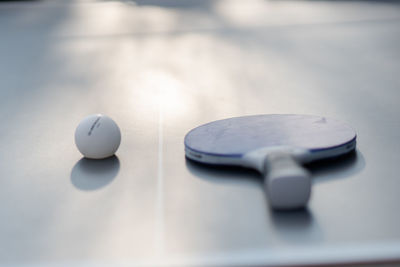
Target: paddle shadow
296	227
337	168
322	171
299	226
206	5
222	174
94	174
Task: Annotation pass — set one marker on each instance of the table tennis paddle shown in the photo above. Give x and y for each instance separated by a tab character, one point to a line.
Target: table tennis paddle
276	145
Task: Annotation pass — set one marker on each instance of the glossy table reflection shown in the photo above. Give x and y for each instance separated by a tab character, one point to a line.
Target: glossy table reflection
162	67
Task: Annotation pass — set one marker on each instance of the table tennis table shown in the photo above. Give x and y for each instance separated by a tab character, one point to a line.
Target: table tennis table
162	67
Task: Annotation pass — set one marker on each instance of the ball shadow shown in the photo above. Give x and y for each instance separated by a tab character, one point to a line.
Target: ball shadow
93	174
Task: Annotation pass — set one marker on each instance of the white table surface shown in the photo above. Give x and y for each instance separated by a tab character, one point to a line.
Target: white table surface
162	67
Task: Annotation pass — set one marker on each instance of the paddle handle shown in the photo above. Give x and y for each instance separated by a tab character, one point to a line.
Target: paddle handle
287	183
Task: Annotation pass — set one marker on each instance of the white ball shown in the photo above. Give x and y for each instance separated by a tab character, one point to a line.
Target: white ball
97	137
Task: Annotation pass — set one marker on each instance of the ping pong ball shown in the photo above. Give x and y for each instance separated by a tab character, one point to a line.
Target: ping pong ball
97	137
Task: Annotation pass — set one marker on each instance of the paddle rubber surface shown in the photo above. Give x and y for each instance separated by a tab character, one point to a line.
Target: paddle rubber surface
237	136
